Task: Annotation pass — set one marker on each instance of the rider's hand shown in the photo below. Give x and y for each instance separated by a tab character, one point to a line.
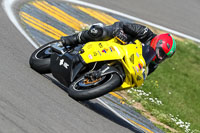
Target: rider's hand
70	41
64	40
121	36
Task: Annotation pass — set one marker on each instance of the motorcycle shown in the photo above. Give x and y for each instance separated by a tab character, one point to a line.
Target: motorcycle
96	68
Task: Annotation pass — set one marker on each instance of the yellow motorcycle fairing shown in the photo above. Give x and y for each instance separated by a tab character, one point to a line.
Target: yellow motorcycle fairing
130	56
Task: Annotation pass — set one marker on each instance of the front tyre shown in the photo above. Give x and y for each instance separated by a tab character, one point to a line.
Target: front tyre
81	90
40	59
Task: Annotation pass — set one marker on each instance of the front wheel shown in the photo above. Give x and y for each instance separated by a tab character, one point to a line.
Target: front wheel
82	89
40	59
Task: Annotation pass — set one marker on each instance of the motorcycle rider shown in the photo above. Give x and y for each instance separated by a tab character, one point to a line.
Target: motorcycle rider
164	45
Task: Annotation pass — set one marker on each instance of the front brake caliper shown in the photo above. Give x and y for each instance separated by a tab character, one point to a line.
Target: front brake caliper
92	77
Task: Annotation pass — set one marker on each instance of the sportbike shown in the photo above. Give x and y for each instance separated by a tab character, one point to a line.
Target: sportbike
96	68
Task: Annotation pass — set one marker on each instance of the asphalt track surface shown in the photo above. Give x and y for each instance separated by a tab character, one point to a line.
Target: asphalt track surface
31	103
180	15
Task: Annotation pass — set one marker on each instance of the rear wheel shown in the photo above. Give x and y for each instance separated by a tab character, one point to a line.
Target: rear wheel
85	89
40	59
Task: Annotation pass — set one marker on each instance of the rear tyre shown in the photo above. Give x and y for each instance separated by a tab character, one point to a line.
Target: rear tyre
40	59
81	91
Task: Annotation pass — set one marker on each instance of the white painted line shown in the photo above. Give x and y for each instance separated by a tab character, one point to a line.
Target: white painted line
116	113
134	18
7	5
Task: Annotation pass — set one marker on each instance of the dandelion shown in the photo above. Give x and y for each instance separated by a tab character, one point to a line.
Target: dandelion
180	123
133	101
159	102
129	91
152	100
142	94
195	131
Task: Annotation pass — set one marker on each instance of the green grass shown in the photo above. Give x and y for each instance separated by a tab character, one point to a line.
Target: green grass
176	83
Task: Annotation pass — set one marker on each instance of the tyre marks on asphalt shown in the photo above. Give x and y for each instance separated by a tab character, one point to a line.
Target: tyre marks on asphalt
49	20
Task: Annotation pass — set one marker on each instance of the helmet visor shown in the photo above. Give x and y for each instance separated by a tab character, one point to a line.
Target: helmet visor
161	55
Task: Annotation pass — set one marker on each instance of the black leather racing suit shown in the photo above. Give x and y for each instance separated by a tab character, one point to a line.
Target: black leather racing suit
98	32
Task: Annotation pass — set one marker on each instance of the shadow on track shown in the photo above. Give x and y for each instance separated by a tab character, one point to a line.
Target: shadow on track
100	109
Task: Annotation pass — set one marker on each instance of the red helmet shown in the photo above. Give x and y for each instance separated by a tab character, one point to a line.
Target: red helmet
164	45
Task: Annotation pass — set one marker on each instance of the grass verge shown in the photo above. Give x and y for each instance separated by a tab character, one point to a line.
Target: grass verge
171	93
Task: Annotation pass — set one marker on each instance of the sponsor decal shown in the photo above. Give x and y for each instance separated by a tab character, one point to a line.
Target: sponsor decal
89	46
137	55
99	53
132	58
90	56
145	30
137	69
105	50
140	66
100	45
63	63
134	70
95	53
112	49
142	62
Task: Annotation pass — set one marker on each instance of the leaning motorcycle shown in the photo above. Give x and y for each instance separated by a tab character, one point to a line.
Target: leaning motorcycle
96	68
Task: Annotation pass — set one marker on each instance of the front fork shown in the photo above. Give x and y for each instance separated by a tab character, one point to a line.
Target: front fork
113	68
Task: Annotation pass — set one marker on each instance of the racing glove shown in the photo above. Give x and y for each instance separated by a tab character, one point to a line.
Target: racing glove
70	41
121	36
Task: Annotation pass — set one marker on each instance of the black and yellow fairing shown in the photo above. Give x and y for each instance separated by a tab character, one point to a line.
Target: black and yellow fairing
130	56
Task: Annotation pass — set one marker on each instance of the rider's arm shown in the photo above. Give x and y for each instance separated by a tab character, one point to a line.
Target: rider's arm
97	32
136	31
133	30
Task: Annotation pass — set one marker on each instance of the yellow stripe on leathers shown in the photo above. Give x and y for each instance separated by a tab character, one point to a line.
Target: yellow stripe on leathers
59	14
41	26
104	18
